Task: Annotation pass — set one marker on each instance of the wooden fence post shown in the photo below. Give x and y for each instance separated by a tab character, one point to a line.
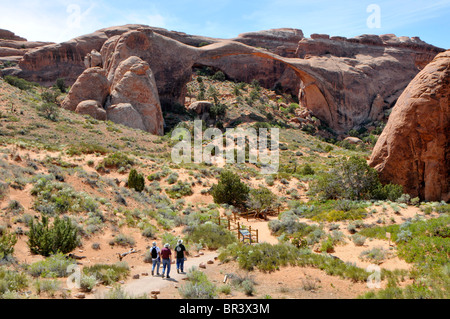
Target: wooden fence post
239	233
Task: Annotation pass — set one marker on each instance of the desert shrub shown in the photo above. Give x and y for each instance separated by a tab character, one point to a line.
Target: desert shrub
88	282
60	84
230	190
172	178
116	160
7	243
49	286
219	76
50	96
424	249
18	82
390	192
335	216
375	255
123	240
51	267
261	199
179	190
12	281
288	222
108	274
327	245
307	170
358	240
350	178
262	256
248	287
198	287
47	240
14	207
211	236
86	148
48	110
136	181
58	198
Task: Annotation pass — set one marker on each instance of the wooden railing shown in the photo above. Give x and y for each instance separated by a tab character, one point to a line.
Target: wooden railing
243	232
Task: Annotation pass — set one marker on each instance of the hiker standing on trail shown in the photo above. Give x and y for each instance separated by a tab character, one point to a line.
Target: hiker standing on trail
180	249
156	258
166	254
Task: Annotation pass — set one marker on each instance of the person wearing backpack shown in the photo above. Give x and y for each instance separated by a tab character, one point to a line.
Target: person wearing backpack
180	249
156	258
166	254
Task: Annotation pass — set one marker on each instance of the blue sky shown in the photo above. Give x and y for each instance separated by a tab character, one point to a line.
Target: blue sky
61	20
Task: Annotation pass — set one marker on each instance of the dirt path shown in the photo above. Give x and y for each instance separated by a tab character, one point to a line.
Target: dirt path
147	284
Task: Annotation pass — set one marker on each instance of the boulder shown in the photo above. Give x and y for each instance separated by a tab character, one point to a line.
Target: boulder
91	85
133	82
92	108
413	150
125	114
93	59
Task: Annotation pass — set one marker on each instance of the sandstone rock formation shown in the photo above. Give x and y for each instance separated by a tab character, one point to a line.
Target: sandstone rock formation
283	42
133	83
91	85
414	148
129	97
92	108
13	47
344	82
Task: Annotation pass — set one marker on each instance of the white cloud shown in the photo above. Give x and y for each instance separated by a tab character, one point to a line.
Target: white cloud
56	21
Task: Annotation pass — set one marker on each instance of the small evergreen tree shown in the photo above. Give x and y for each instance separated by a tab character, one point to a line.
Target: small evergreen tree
45	240
136	181
230	190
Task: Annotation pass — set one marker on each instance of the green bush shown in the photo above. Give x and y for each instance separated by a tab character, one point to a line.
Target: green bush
230	190
219	76
55	266
350	178
44	240
61	85
263	256
48	110
390	192
307	170
7	243
261	199
123	240
108	274
12	281
116	160
179	190
86	148
335	216
211	235
198	287
18	82
136	181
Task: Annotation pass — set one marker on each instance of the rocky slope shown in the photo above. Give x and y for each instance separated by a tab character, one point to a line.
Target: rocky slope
413	150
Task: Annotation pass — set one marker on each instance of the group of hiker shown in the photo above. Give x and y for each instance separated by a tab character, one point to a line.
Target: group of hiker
165	254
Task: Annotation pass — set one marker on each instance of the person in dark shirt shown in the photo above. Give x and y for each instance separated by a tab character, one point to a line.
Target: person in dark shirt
180	251
166	254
